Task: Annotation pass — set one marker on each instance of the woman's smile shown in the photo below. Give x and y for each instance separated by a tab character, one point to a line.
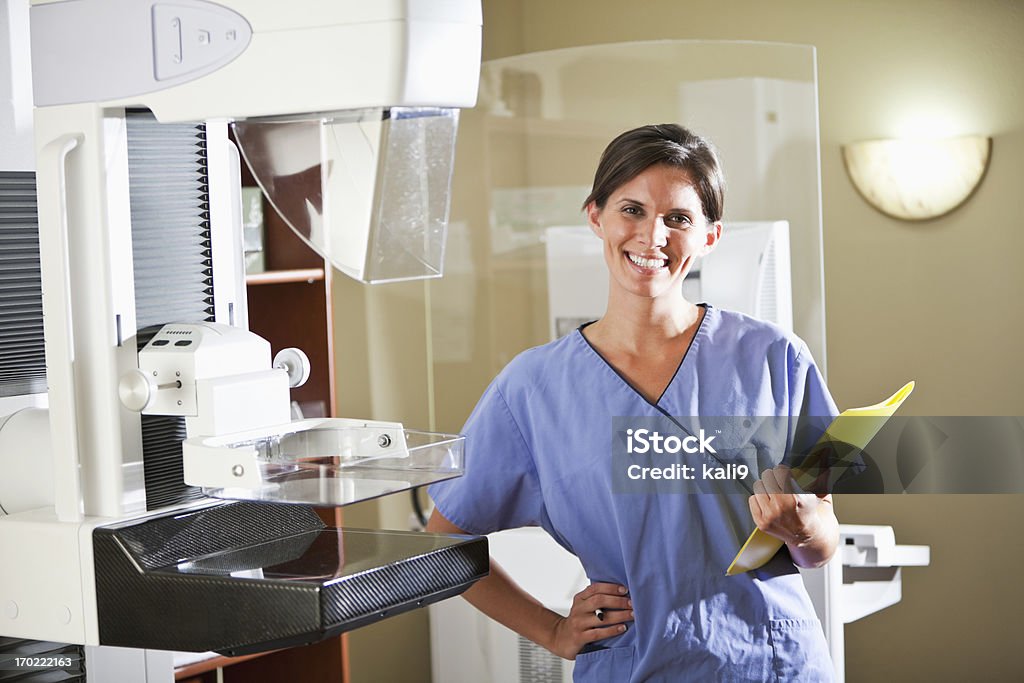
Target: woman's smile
647	264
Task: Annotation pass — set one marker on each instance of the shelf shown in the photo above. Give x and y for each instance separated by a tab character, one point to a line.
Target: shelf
273	277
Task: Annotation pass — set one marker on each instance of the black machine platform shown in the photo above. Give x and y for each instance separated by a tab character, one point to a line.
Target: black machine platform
239	578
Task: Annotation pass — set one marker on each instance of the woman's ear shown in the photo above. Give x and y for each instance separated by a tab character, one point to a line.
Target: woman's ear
711	239
594	219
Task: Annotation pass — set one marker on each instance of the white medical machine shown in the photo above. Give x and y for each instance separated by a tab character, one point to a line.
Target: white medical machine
863	577
157	395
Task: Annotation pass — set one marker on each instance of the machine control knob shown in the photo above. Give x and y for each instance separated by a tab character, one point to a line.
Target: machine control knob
295	363
135	390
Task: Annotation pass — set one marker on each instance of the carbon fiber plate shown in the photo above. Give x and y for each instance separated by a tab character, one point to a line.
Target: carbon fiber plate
242	578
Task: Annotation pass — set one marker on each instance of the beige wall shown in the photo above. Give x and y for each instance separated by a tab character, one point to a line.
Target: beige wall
943	294
381	354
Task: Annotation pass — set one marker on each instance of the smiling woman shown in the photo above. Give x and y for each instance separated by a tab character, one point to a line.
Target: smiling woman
657	206
658	607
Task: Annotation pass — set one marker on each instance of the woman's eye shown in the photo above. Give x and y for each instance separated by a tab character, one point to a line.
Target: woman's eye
678	219
631	210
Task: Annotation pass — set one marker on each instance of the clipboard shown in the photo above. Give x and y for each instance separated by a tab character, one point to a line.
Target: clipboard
760	546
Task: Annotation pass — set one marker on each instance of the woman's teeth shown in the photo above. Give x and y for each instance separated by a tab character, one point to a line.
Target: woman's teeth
647	262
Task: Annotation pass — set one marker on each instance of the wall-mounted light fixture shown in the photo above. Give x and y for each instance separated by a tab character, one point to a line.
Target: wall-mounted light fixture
916	180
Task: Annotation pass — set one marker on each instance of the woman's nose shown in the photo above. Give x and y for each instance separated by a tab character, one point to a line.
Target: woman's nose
654	232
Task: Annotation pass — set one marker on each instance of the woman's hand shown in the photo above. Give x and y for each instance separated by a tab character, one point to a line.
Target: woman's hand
599	611
803	521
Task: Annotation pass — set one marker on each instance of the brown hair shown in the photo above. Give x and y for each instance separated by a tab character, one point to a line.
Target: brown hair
634	151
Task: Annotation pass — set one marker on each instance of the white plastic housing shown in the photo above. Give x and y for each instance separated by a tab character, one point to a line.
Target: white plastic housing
26	464
47	586
185	353
42	596
247	401
252	58
15	89
218	376
863	577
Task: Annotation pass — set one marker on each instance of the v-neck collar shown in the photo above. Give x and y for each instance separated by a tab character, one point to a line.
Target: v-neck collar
686	354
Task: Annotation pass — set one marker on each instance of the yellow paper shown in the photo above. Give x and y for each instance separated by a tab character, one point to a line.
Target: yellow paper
761	547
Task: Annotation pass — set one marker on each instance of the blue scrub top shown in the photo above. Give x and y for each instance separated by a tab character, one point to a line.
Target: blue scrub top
537	454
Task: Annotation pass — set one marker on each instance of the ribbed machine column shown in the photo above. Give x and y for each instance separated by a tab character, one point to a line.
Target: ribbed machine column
173	268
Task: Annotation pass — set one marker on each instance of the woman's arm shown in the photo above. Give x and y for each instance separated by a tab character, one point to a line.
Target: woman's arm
805	522
498	596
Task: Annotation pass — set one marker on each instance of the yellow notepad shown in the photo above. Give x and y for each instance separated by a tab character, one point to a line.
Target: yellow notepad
761	547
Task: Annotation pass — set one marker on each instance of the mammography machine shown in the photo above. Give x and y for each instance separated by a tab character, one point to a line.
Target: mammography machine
157	395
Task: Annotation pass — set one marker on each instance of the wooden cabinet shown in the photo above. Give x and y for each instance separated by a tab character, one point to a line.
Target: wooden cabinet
323	662
290	305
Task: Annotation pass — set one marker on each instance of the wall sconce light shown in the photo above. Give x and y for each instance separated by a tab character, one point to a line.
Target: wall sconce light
915	180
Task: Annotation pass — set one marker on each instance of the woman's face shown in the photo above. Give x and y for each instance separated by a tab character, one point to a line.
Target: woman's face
653	228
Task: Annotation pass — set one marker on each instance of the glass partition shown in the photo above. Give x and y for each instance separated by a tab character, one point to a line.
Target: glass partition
522	268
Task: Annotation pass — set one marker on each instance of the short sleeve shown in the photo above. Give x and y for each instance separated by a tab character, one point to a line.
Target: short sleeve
499	489
809	396
810	402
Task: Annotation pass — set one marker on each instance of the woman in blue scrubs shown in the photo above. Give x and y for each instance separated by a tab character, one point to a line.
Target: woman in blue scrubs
538	453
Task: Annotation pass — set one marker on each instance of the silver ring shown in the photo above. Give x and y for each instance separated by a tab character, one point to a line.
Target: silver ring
599	613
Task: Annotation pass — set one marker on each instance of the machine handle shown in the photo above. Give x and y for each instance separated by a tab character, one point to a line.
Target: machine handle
59	331
295	362
136	390
240	317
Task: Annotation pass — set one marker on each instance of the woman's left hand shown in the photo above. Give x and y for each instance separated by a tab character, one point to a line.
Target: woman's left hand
803	521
